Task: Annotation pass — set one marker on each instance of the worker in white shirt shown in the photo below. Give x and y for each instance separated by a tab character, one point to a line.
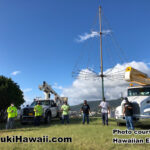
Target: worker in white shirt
105	110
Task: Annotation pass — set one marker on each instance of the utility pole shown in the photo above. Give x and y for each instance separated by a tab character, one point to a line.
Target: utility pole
101	53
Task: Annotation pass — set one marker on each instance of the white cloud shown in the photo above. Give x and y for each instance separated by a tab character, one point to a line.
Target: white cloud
56	86
27	90
105	32
28	101
15	73
91	89
86	36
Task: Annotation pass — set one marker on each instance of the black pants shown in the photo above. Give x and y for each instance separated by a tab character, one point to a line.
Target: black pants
105	118
37	120
65	118
10	123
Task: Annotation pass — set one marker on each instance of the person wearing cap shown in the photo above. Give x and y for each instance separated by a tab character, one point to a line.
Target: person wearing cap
105	110
38	113
86	110
12	114
128	113
65	112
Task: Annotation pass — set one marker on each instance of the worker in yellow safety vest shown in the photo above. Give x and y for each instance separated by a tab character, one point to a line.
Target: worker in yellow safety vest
38	113
12	114
65	112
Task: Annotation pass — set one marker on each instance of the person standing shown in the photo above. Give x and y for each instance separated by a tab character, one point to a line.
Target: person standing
105	109
128	113
65	112
86	110
12	114
38	113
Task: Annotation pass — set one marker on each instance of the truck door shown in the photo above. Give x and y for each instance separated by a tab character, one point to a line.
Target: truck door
53	109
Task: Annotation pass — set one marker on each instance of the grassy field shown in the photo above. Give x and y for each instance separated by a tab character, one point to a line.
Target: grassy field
84	137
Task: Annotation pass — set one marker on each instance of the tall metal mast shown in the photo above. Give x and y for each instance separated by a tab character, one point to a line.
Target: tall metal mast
101	53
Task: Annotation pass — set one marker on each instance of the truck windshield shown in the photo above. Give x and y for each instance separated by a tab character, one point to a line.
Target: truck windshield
139	92
33	103
41	103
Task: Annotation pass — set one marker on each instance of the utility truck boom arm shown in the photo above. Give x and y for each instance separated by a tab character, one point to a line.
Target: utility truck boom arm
47	89
133	75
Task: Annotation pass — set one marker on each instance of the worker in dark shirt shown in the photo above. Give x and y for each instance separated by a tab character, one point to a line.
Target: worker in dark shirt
85	109
128	112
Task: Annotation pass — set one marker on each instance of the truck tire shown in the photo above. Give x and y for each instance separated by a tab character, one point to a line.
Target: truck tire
48	118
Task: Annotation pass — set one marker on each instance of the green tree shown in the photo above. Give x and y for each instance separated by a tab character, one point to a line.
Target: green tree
9	92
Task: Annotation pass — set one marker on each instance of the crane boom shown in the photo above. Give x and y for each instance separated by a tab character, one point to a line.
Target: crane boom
47	89
136	76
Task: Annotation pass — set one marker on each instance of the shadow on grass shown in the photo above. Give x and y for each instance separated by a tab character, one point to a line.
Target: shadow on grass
17	127
78	121
142	126
57	122
30	127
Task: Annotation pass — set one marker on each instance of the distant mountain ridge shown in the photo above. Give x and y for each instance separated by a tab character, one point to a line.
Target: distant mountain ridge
94	105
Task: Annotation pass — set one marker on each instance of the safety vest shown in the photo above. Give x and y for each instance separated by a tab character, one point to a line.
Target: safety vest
38	110
65	109
12	112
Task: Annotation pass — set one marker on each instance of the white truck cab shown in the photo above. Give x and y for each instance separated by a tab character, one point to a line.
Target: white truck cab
139	96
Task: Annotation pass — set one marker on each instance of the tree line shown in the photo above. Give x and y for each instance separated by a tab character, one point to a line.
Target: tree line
9	92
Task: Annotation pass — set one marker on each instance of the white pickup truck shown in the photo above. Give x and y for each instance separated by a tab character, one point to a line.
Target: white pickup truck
50	110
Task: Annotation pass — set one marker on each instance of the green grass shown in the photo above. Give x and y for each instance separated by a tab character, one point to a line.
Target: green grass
84	137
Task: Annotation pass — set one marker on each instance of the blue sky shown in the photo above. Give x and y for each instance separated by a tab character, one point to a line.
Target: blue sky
38	37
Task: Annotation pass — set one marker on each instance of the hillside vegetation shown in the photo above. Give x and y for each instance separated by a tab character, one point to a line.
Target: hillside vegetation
94	105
